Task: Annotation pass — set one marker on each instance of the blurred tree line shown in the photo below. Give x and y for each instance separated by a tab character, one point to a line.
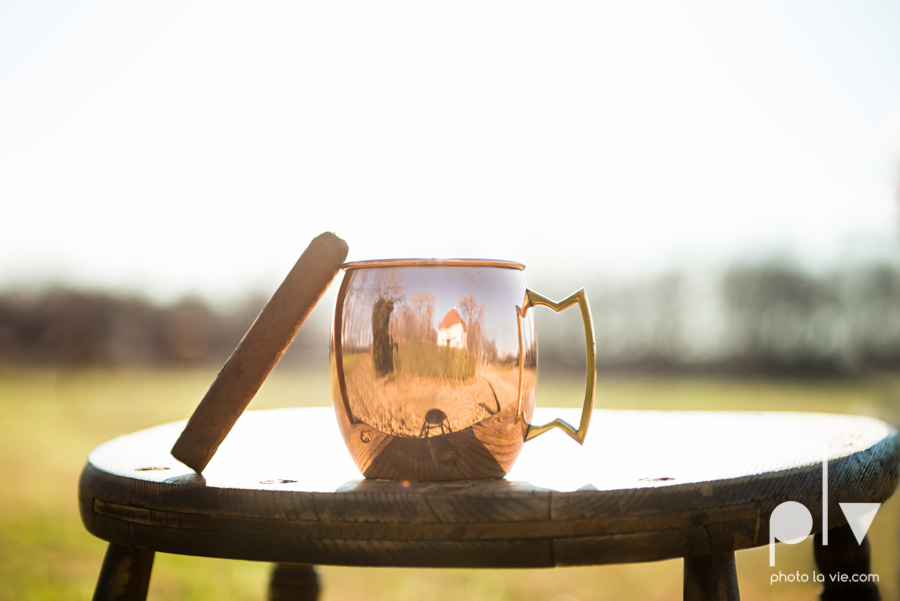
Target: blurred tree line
772	319
754	320
64	327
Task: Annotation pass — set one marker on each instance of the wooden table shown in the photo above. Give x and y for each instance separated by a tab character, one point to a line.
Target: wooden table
646	486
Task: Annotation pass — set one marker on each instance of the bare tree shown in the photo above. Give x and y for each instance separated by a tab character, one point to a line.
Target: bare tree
389	294
423	310
391	290
473	313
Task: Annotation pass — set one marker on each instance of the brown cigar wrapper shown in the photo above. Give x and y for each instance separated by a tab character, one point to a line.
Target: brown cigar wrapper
259	351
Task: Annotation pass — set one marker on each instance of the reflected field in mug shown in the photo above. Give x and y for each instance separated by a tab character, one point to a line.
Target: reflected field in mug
408	404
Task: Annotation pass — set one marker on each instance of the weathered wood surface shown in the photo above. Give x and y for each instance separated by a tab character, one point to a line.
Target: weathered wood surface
646	486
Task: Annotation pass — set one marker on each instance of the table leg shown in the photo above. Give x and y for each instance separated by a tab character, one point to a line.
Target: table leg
710	578
125	575
293	582
844	558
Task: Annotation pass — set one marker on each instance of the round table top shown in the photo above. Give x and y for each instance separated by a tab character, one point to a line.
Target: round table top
646	485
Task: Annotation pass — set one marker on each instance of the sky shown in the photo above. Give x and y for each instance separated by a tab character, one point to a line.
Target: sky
172	148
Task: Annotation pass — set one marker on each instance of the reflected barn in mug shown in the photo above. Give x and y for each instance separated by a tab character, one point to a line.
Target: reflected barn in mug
434	367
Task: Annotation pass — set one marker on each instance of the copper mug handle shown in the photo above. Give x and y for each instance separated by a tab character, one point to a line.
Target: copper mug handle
533	299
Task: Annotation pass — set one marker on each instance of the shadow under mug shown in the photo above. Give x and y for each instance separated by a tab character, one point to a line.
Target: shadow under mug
434	367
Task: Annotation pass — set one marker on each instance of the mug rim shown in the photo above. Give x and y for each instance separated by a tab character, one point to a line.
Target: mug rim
433	262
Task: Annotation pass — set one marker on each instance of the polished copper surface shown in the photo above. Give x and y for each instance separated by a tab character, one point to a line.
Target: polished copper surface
434	367
433	262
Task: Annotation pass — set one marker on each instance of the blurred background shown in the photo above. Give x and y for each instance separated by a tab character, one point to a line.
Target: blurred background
723	181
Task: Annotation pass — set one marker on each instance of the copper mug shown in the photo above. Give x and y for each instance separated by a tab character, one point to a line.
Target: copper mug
434	367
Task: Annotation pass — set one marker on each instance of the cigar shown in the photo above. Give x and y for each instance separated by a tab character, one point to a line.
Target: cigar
259	351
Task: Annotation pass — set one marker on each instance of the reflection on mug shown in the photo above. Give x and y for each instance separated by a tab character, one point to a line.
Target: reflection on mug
434	367
415	347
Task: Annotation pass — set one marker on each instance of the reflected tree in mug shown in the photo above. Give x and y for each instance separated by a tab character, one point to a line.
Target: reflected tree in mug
389	293
473	313
382	349
414	321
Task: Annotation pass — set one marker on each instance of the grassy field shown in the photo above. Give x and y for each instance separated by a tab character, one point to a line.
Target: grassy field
51	420
398	404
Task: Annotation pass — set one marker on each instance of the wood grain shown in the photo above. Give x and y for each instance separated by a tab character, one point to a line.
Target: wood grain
650	485
259	351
